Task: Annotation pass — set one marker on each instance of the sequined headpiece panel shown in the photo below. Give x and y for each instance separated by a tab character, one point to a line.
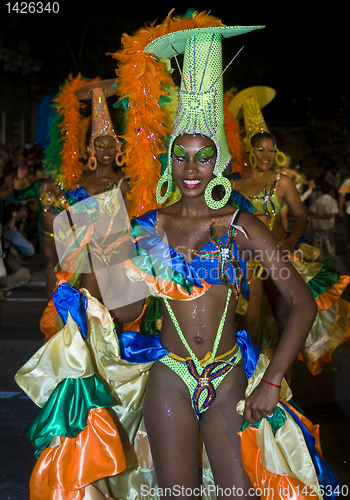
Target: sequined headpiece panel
101	119
248	103
200	108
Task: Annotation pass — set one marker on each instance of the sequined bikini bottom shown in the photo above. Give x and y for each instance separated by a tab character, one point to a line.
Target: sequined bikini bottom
202	387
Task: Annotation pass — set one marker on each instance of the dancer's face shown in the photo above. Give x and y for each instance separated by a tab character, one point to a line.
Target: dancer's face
264	150
105	149
194	159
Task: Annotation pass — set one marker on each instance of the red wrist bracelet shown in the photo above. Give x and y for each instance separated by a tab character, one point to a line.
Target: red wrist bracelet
270	383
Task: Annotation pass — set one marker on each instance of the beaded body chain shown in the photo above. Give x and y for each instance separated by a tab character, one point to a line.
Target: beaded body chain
224	253
203	380
217	338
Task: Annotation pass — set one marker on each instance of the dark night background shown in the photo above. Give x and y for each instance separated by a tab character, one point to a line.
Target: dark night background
302	53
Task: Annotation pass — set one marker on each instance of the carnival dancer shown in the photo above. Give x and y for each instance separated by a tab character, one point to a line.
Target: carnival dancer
265	192
62	170
196	368
103	187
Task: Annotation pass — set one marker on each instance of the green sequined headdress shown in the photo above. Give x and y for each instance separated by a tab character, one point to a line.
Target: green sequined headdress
200	108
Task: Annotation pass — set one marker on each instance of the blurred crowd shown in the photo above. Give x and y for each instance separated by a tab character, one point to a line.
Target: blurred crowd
319	181
19	221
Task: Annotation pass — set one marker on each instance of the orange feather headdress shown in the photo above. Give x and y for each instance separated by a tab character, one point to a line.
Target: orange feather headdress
66	170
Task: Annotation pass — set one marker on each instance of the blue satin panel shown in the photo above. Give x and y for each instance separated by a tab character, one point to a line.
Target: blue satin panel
67	298
325	475
137	348
250	353
160	250
78	194
240	201
148	219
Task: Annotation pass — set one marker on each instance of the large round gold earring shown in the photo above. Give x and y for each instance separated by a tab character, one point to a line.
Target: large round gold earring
119	156
252	159
208	194
92	162
280	162
166	177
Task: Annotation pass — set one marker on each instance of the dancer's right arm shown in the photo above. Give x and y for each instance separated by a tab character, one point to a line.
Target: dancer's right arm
129	308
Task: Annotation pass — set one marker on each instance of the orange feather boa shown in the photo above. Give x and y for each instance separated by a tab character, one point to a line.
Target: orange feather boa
68	106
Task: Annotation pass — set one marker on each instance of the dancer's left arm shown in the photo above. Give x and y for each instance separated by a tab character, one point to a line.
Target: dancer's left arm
292	198
264	246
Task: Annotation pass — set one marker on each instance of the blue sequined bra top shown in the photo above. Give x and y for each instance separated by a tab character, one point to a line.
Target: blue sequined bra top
217	262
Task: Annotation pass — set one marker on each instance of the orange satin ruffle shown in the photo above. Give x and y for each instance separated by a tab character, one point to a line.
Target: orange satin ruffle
274	486
63	471
135	326
166	287
329	298
271	486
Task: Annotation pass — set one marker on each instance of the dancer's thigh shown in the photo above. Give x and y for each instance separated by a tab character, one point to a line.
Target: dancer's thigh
219	426
172	428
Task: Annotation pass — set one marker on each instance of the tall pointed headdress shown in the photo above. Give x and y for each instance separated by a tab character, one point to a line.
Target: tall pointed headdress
101	119
248	104
200	108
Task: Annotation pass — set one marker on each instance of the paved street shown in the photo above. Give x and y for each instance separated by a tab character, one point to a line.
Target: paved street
324	398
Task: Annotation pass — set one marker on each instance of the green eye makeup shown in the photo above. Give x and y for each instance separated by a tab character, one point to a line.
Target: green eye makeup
180	151
205	153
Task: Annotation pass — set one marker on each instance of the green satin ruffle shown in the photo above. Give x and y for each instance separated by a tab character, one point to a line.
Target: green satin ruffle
65	413
156	267
276	422
323	280
153	314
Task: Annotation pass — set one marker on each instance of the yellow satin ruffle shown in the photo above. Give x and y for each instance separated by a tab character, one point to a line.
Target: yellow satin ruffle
281	459
330	329
68	355
304	259
65	355
271	486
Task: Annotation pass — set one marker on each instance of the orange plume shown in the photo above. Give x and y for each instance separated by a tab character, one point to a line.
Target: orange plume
233	133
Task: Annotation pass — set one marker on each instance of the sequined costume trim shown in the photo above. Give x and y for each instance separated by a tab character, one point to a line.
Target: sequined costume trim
201	381
267	202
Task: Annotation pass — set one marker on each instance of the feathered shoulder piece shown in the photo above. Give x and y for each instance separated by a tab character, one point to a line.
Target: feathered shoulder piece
147	84
62	155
